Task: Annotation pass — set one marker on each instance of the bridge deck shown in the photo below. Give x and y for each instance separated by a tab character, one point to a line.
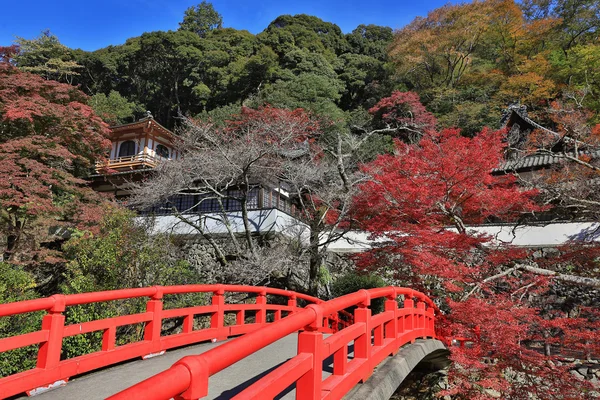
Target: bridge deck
223	385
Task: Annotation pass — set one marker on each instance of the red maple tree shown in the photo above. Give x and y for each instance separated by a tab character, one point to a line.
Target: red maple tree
403	112
419	204
49	140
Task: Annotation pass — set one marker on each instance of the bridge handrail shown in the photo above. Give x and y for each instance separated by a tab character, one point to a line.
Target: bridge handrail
188	378
47	303
51	368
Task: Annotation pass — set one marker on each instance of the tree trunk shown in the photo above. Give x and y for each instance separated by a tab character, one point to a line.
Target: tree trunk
314	264
13	239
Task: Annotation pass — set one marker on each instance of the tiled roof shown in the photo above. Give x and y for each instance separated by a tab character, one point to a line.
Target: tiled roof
538	160
531	161
141	123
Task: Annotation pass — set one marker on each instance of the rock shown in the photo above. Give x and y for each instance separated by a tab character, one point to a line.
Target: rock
583	370
493	393
576	374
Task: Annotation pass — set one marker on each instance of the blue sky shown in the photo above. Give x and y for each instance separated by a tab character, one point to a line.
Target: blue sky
93	24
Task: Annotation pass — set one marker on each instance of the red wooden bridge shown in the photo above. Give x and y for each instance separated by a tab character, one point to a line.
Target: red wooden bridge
353	344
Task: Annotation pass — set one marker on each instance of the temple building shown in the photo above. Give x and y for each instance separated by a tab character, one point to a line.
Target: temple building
139	147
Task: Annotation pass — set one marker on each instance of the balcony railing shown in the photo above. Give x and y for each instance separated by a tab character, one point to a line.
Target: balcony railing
129	162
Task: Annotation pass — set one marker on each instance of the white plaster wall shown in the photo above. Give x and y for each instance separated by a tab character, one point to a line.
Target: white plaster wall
262	221
150	147
273	220
541	235
140	145
352	242
113	151
548	235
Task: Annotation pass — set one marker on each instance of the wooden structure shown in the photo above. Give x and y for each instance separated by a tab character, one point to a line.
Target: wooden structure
137	148
139	145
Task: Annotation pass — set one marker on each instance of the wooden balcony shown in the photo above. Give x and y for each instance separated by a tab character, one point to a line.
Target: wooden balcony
137	161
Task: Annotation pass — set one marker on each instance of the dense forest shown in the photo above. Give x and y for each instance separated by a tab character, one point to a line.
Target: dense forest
399	131
467	63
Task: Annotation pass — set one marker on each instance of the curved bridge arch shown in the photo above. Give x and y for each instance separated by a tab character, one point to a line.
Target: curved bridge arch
373	338
430	353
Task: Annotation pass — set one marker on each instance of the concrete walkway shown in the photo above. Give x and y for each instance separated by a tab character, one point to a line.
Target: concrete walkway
235	378
223	385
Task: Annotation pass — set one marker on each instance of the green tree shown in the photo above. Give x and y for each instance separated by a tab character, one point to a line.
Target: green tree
164	68
365	79
121	254
306	32
201	19
371	40
47	57
578	20
114	109
354	281
16	284
310	91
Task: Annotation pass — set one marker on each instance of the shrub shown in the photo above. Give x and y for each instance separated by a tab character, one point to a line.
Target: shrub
352	282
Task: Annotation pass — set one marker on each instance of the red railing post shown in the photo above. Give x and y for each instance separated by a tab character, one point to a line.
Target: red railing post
308	387
240	317
54	323
421	315
335	323
109	337
409	322
431	321
261	301
310	341
292	303
188	323
217	319
362	344
390	329
154	327
340	361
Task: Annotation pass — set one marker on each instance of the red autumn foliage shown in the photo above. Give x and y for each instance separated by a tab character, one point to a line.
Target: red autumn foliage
276	126
419	191
403	110
30	105
418	205
50	139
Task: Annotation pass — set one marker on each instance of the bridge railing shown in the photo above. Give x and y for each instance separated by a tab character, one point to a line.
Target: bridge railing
374	337
51	366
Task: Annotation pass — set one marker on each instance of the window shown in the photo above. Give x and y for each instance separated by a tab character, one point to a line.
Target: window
232	203
162	151
127	148
184	202
208	203
253	199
